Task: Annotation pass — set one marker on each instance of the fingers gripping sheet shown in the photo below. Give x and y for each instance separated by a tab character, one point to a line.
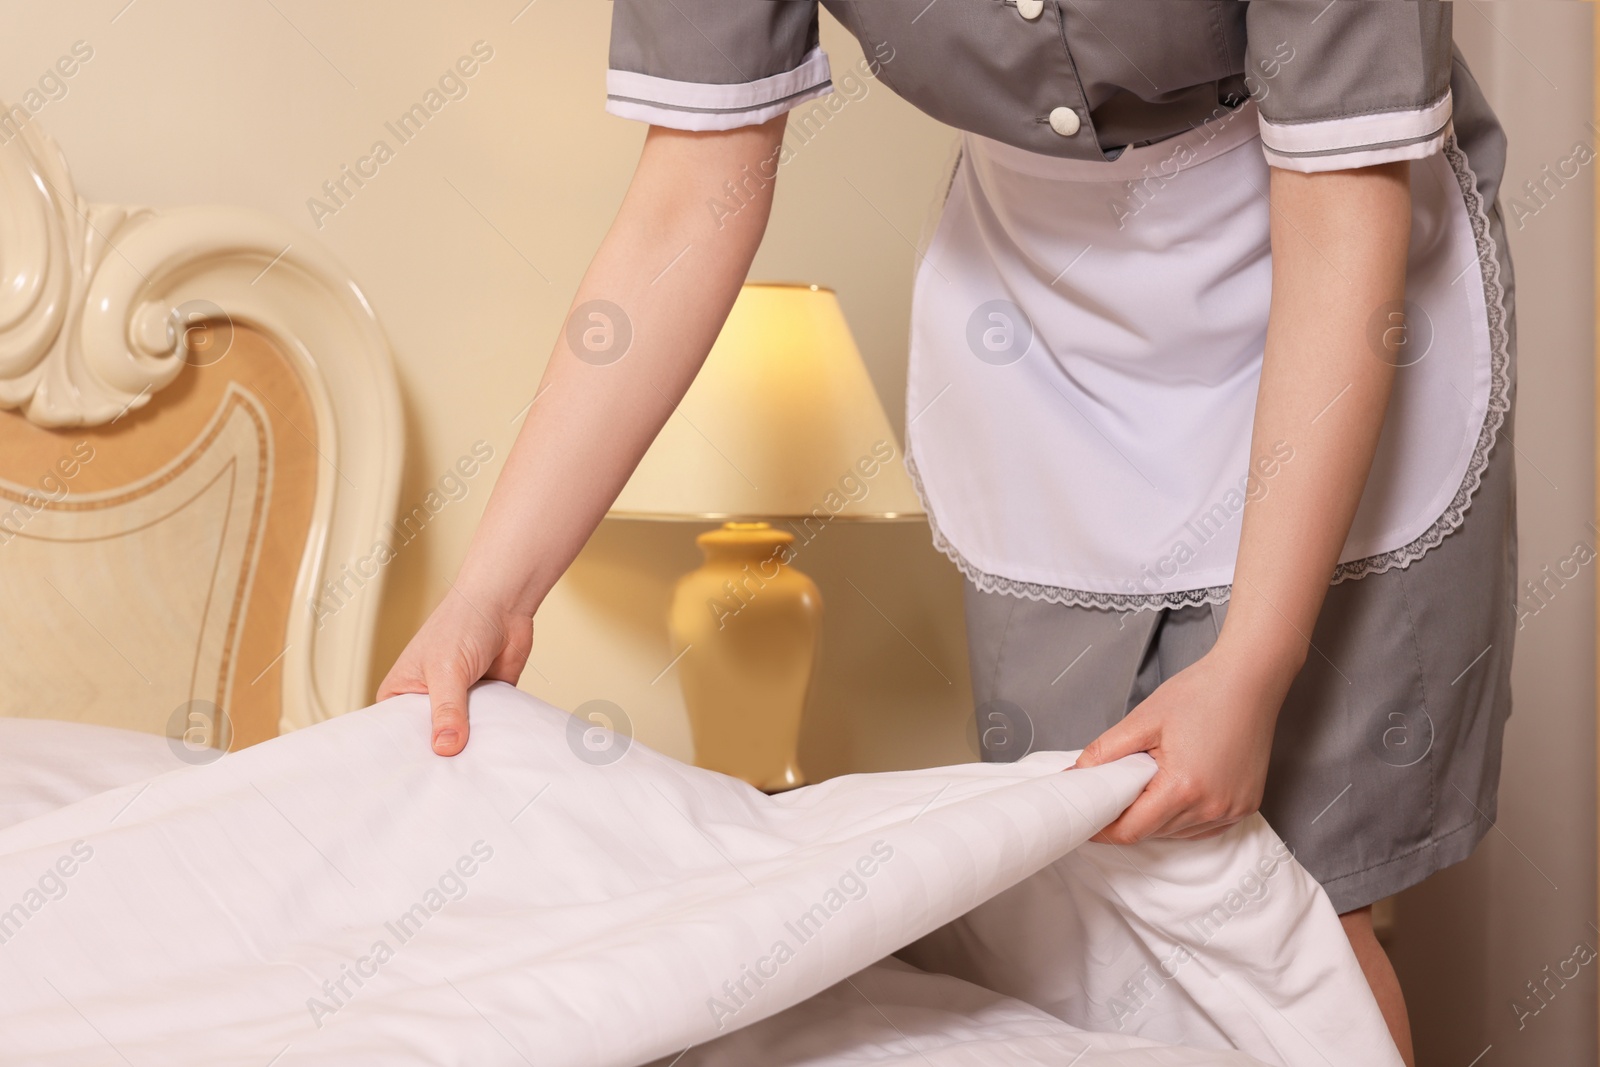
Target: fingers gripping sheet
341	895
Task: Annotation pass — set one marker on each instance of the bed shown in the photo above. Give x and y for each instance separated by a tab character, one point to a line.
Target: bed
340	895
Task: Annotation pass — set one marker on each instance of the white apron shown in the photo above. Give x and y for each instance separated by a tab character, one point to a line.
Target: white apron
1086	344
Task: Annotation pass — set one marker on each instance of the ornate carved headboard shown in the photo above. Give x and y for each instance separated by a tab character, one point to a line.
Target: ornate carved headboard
202	425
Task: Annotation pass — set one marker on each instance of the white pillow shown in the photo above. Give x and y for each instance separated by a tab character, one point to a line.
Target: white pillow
46	765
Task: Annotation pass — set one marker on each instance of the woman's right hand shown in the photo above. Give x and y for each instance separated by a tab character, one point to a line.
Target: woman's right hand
463	641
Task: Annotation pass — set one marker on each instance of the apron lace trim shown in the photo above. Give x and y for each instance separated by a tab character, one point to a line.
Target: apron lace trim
1448	521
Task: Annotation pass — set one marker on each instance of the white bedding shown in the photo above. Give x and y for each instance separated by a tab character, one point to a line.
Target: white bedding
342	896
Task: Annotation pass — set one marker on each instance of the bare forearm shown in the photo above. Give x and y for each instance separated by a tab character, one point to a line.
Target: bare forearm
673	269
1339	244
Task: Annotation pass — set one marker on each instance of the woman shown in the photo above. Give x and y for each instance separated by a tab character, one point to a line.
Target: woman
1217	309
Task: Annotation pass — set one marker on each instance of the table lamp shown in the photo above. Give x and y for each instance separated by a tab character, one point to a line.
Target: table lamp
780	436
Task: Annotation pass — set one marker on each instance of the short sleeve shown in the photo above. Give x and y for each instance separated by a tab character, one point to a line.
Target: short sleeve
1349	83
713	64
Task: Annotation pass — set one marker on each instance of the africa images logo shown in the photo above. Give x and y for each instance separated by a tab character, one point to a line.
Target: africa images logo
450	886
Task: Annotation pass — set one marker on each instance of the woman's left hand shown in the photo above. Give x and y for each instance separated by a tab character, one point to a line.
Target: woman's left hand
1210	729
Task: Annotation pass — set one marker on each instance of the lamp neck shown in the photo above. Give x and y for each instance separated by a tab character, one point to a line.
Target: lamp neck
742	542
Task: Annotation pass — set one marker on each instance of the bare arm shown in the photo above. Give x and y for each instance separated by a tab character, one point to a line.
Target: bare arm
1339	252
672	269
1339	246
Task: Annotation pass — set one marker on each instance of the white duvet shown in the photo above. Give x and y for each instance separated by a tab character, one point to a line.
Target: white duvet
343	896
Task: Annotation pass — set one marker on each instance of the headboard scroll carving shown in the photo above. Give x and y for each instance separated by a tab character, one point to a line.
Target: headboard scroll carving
57	296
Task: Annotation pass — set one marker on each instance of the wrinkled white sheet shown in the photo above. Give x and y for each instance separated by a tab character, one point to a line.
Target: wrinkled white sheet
342	896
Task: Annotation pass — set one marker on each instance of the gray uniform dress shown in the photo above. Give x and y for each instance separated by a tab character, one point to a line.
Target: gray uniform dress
1387	753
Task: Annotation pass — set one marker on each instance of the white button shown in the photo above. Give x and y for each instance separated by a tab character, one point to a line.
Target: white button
1030	9
1064	121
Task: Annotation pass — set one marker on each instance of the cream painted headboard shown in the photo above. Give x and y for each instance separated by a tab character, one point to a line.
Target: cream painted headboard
202	427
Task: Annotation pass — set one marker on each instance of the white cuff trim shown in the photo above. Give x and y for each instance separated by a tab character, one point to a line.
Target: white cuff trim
705	106
1358	133
1364	157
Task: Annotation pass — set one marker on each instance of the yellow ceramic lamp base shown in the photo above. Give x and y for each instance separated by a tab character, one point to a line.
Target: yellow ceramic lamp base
750	623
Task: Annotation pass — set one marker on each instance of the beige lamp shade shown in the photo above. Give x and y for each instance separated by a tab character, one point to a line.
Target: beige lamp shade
781	422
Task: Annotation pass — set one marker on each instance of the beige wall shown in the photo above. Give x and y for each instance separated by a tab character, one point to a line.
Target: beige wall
470	241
